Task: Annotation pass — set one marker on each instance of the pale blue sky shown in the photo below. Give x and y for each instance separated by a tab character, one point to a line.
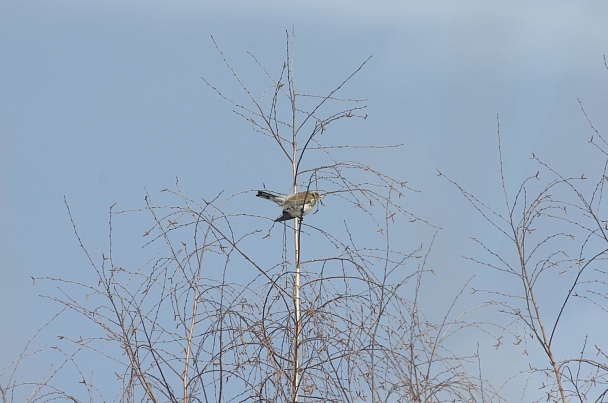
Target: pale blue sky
101	100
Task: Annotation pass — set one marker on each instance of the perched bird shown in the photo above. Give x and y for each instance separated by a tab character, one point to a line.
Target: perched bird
294	205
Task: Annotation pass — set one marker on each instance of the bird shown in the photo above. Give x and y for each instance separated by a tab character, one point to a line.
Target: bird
295	205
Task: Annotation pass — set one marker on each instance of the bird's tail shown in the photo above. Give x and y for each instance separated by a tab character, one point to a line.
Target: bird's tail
266	195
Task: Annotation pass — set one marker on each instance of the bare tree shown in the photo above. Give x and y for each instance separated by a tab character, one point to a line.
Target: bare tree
215	315
558	237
